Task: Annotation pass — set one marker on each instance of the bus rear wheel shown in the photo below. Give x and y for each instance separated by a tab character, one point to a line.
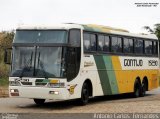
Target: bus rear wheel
39	101
84	94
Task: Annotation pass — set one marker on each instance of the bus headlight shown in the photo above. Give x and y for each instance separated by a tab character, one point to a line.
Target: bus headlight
14	92
14	83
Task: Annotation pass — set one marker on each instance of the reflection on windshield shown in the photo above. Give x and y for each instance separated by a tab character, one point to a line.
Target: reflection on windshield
37	62
22	63
40	36
48	62
27	66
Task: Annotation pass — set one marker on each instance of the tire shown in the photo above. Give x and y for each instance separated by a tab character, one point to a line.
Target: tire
39	101
143	91
84	94
137	90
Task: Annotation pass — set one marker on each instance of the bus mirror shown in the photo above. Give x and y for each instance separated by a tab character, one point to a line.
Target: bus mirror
7	56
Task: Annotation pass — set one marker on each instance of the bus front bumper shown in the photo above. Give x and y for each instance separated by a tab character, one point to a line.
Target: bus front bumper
39	93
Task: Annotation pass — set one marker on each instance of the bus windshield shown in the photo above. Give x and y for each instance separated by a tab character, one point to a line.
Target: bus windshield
44	62
40	36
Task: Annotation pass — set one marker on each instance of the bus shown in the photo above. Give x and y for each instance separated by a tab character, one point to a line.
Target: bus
80	61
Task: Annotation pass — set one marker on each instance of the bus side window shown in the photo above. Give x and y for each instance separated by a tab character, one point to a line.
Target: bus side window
75	37
86	42
106	46
128	45
93	42
138	46
100	44
116	46
148	47
73	62
155	47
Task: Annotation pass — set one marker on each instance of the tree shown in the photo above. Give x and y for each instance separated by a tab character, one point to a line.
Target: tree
6	39
155	30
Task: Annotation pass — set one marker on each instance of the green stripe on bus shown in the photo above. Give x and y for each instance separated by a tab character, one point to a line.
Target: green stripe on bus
103	75
88	28
111	74
97	29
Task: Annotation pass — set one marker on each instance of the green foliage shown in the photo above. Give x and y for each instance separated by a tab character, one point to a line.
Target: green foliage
155	30
6	39
4	81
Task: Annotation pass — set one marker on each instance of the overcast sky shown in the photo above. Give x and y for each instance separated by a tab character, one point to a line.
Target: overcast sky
116	13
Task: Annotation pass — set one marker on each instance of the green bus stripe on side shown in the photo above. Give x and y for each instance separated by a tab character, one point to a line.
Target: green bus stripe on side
111	74
88	28
103	75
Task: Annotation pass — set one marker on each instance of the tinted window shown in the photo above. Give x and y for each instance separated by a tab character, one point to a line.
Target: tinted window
49	62
89	42
106	44
86	38
138	46
75	37
128	45
148	47
116	44
40	36
93	42
100	42
155	47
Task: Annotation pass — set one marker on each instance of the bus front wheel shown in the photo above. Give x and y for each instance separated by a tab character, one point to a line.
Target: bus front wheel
39	101
137	90
84	94
143	92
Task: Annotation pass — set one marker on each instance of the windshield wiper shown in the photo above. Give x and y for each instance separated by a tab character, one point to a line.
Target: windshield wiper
27	65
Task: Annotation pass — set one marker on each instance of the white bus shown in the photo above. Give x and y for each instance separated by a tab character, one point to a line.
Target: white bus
74	61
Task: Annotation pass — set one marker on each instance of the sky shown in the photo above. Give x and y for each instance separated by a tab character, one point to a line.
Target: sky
115	13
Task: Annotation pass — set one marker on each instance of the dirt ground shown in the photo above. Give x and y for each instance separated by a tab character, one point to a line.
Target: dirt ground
108	104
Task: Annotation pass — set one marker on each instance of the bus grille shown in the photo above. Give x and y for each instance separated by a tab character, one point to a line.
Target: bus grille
27	83
41	83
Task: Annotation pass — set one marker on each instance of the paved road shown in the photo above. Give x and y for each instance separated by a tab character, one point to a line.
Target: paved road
107	104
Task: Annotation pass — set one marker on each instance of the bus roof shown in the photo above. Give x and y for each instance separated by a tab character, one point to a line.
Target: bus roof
116	31
90	28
